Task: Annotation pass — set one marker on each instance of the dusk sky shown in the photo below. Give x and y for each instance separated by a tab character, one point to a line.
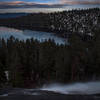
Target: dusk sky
44	3
49	1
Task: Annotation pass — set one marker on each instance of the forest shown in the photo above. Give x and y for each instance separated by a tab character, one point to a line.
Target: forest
32	63
64	23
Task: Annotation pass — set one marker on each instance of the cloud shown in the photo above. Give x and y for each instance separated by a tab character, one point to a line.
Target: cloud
22	4
79	1
14	3
58	4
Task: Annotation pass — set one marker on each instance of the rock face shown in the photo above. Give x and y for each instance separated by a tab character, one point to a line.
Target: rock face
31	94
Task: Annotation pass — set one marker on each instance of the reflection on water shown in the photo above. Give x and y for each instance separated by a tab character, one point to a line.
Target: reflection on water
27	34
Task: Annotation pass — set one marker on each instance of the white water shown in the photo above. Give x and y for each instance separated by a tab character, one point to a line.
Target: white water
27	34
88	88
75	88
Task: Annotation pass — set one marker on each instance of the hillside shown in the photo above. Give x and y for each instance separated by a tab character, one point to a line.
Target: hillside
82	22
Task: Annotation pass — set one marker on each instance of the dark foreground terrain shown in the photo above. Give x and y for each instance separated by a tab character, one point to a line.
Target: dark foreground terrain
28	94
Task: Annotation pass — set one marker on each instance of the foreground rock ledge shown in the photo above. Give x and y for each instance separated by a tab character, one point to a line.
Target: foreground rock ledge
31	94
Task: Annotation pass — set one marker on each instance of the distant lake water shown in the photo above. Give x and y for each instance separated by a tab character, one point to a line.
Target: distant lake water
28	34
47	10
12	15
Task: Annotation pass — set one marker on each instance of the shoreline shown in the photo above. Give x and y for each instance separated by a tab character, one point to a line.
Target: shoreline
63	24
56	33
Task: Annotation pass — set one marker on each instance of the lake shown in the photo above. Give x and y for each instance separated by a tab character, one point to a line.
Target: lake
11	15
27	34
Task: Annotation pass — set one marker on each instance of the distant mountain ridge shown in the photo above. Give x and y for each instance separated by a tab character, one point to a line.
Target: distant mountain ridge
33	6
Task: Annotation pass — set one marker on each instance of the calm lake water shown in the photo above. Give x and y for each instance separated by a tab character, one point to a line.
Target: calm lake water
27	34
12	15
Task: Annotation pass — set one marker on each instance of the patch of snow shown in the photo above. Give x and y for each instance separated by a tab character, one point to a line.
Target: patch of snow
7	75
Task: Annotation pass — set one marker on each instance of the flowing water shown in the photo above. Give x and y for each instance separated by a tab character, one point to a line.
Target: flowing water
75	88
88	88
